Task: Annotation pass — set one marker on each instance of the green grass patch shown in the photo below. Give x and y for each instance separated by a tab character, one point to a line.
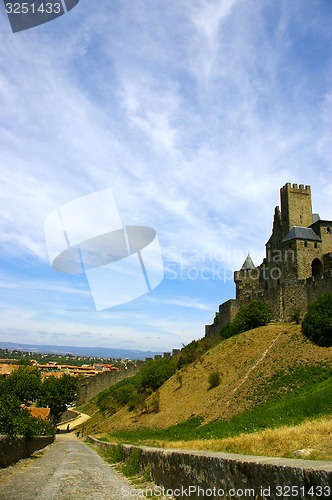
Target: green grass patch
112	455
297	379
290	408
132	465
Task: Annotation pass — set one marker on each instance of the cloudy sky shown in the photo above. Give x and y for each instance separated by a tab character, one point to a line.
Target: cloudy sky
194	113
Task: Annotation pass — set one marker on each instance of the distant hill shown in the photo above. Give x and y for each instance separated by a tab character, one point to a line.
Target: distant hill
98	352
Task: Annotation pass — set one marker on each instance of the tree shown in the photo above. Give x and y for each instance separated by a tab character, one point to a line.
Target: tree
317	323
155	373
18	421
56	393
24	383
9	409
252	315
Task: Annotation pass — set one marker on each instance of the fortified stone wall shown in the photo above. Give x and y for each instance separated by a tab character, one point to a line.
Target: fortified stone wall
90	387
283	301
226	314
297	267
318	285
294	298
304	292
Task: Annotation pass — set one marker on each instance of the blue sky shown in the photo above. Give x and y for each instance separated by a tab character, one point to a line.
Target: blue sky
194	113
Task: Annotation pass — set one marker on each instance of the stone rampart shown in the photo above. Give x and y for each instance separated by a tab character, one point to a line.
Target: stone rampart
90	387
226	314
14	449
318	285
198	474
284	301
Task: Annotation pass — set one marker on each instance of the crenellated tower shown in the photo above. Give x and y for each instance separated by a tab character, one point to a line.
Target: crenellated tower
296	208
297	268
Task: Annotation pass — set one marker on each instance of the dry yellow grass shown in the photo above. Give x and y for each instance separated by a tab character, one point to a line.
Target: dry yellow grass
245	363
315	436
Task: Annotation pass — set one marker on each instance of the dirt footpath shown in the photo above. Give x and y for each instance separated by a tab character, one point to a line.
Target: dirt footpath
66	470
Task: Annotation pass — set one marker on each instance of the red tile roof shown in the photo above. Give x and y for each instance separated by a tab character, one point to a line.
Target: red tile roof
42	413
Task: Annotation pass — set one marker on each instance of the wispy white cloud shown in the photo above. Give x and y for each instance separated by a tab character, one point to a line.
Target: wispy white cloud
195	113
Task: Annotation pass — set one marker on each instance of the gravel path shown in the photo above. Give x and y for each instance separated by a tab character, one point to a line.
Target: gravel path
67	470
74	423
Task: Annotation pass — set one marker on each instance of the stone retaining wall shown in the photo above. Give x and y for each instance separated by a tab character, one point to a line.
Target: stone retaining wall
13	449
197	475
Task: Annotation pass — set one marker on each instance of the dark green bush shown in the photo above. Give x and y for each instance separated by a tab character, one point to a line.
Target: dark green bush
194	350
317	323
296	315
155	373
137	400
134	390
154	403
252	315
214	379
123	390
107	404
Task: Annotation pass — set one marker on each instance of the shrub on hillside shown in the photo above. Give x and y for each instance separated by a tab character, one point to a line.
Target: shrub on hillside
194	350
252	315
155	373
214	379
317	323
296	315
134	390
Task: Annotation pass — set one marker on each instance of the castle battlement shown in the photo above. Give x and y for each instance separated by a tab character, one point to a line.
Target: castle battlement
297	188
297	268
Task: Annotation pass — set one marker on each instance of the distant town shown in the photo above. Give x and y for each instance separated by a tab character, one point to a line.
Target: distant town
59	364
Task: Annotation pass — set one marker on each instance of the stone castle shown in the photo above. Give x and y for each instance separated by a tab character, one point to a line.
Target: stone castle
297	268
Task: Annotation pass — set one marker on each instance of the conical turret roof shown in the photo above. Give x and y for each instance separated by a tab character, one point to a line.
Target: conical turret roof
248	264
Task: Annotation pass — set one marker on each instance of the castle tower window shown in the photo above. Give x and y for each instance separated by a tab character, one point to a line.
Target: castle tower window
316	267
328	230
316	245
306	244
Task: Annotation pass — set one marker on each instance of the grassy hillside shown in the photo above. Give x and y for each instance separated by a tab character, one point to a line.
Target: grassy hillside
269	377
